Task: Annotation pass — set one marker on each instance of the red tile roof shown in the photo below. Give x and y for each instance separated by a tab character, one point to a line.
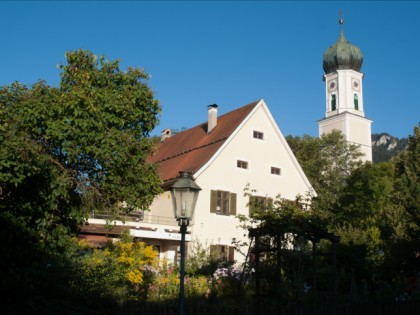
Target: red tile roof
193	148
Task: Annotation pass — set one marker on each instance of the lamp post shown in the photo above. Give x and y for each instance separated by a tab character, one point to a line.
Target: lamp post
184	197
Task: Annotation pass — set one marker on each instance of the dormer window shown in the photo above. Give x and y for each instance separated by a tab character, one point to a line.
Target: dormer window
258	135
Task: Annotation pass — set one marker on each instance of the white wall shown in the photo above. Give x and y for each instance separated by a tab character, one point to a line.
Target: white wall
223	174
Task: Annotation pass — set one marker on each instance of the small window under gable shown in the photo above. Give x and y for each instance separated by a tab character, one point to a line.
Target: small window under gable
258	135
333	102
275	170
356	102
242	164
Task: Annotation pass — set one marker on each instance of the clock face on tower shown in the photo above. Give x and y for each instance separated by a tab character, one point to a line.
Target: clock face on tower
332	86
355	84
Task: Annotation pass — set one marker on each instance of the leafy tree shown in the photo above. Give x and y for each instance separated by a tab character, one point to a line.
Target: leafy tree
286	238
201	261
372	207
327	161
367	195
65	151
77	148
407	186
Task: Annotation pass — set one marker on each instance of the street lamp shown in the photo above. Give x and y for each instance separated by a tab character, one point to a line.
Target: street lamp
184	197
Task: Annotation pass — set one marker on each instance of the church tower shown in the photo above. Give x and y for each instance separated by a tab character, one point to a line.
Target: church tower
344	94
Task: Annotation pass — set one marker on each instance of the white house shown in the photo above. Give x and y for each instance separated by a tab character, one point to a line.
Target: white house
225	154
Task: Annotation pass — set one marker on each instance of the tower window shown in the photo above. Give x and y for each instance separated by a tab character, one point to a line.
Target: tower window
333	102
356	102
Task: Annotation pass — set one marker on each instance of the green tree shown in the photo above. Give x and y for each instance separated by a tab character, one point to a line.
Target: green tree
407	186
372	207
80	147
201	260
327	161
367	195
65	151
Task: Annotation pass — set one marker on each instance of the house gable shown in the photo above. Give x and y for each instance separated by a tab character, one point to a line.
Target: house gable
260	105
193	148
244	160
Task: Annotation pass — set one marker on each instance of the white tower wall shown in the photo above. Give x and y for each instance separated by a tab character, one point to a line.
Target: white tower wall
344	109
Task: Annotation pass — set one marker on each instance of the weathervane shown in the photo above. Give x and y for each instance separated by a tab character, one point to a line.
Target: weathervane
341	21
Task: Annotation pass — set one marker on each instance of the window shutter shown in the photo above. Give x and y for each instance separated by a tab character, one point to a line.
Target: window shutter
270	203
213	196
231	254
213	250
251	206
232	206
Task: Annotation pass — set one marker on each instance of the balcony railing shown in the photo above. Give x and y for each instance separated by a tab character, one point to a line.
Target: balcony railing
137	216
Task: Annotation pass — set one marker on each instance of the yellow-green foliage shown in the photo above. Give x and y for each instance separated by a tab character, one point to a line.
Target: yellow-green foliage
166	285
197	286
135	276
375	254
124	264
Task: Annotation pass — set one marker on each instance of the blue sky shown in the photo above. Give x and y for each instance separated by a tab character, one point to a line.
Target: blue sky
228	52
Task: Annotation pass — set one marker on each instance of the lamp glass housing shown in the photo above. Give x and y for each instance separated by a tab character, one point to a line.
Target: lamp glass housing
184	196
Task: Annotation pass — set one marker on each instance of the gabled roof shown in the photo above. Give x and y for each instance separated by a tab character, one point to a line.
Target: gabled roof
193	148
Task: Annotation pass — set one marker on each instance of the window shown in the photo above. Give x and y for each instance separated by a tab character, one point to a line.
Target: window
242	164
258	205
157	249
258	135
222	202
275	170
356	102
333	102
223	253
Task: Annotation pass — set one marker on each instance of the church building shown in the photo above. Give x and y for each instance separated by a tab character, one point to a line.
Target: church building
344	95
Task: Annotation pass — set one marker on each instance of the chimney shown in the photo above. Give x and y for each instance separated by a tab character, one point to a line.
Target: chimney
167	133
212	114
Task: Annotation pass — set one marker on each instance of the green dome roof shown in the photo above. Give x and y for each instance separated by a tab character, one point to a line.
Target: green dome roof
342	55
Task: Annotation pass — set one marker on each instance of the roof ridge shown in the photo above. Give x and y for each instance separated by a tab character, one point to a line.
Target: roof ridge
192	149
254	103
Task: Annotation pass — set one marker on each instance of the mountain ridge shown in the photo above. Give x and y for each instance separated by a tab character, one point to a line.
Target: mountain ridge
385	146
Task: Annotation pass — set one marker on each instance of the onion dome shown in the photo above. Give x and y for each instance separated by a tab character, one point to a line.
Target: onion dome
342	55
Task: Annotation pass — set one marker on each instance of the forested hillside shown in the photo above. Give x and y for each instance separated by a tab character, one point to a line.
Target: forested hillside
385	146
